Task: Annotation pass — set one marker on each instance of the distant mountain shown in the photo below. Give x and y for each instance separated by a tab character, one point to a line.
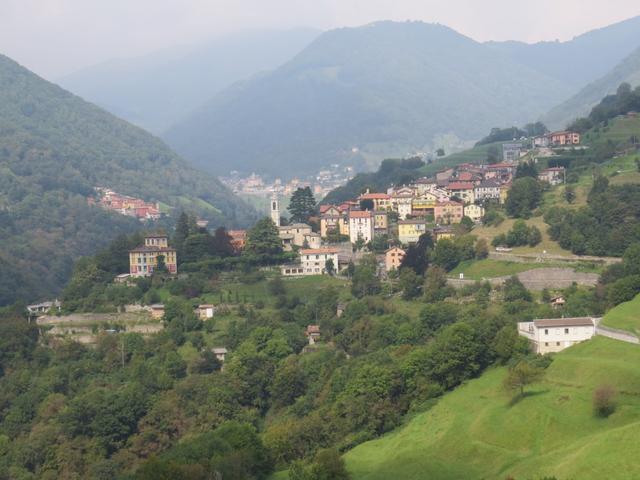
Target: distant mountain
54	148
581	60
381	90
581	104
157	90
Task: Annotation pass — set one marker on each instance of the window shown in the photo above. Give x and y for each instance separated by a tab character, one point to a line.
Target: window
546	344
566	331
546	331
557	344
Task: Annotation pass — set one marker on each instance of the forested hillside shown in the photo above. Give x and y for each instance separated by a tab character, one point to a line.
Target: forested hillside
628	70
159	89
384	89
54	148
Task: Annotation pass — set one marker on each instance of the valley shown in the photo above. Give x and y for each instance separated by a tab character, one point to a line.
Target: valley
376	250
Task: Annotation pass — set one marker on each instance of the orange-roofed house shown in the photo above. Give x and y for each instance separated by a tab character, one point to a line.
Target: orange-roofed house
361	225
565	138
462	190
381	201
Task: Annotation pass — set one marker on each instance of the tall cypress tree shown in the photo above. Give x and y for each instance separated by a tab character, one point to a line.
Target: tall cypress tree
302	205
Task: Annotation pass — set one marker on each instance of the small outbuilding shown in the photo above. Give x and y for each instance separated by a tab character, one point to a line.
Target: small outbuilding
313	334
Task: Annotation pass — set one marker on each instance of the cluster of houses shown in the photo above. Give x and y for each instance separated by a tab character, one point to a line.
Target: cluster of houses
563	138
126	205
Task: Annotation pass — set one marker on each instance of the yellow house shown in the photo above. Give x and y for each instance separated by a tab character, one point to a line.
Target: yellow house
423	206
381	201
409	231
143	260
440	233
380	223
474	212
504	190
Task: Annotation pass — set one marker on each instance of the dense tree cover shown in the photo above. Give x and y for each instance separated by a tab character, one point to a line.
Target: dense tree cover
502	135
523	197
302	205
625	100
621	282
161	407
54	148
607	225
391	172
519	235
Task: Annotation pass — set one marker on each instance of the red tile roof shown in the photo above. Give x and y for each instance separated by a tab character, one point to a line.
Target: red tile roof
374	196
359	214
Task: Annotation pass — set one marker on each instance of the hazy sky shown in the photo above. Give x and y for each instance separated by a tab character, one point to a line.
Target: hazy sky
54	37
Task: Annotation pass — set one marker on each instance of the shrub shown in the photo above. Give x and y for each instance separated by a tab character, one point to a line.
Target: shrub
604	401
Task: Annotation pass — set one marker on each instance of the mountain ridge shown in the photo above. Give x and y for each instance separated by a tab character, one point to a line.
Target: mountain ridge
158	89
362	90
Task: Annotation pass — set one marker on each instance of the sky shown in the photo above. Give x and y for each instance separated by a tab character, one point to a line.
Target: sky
56	37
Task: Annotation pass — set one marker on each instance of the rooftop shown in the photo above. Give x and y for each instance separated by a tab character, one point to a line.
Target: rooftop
318	251
151	248
374	196
564	322
460	186
359	214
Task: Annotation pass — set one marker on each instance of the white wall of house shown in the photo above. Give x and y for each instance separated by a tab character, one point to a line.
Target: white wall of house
549	339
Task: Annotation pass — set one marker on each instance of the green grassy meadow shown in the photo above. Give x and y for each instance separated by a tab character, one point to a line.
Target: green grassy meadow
475	432
488	268
551	247
625	316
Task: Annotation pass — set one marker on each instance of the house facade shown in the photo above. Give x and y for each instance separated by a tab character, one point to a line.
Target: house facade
314	260
462	190
360	226
447	213
564	138
143	260
556	334
381	201
474	212
380	222
409	231
553	175
393	258
487	190
294	235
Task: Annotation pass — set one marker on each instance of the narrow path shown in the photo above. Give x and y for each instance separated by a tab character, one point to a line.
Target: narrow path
614	333
548	257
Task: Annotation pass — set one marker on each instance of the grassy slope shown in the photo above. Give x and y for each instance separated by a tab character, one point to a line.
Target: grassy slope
474	432
488	268
625	316
547	244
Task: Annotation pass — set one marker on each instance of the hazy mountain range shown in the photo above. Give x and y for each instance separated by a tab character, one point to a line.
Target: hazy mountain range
579	105
355	95
157	90
389	89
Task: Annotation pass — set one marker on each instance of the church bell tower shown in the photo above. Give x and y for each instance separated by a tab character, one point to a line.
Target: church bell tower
275	209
